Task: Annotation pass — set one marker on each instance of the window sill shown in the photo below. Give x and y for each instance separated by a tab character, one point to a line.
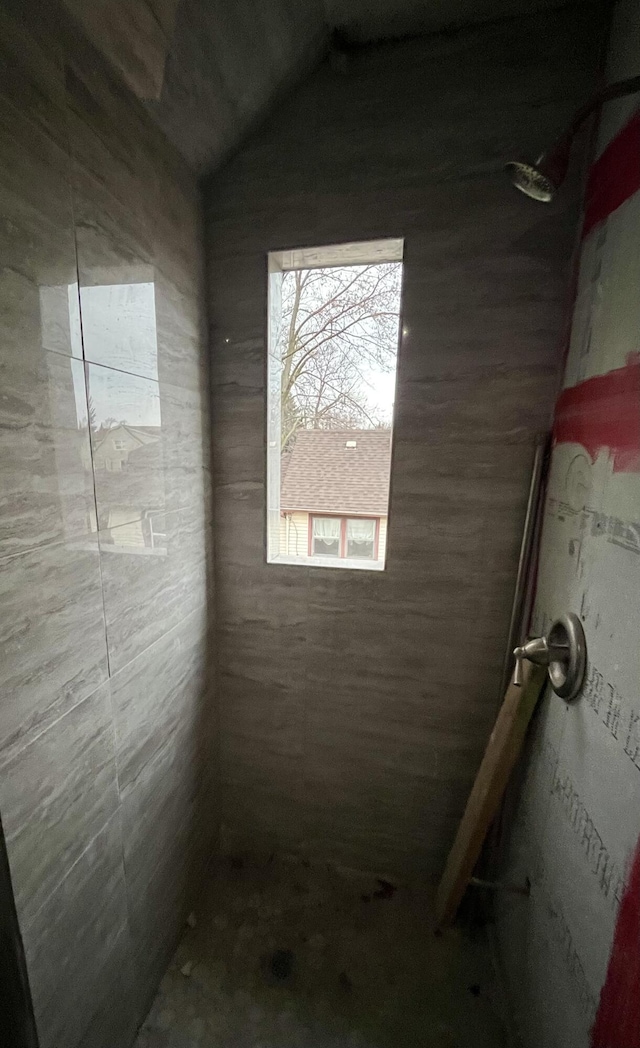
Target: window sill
329	562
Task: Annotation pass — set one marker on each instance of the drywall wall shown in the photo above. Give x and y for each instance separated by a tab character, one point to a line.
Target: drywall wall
356	706
578	820
106	795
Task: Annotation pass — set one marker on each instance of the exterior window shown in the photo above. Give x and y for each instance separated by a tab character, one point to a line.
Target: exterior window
361	538
346	538
334	330
325	537
119	445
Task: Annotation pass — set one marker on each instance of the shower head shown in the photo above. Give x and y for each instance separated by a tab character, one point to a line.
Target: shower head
529	179
542	179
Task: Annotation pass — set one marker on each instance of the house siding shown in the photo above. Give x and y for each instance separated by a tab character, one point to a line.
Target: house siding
298	545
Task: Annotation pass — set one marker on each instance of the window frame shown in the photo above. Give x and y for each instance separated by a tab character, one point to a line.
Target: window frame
279	262
325	516
342	551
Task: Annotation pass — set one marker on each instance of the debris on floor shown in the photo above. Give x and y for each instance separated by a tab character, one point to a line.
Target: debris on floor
290	955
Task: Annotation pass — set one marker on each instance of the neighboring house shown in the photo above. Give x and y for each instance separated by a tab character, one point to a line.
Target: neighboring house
335	494
130	479
112	446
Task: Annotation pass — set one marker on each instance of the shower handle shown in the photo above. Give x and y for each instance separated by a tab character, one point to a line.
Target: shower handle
563	650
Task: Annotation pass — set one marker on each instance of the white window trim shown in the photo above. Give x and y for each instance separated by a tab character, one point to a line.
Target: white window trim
359	564
361	253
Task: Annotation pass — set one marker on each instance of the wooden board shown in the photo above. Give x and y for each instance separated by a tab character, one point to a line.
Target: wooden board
499	759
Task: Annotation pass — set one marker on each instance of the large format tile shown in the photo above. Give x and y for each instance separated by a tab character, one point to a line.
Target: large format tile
162	690
266	817
454	410
387	682
134	40
262	763
151	587
181	328
52	635
186	436
127	447
165	812
108	141
55	796
78	951
119	322
47	482
38	272
150	448
262	728
114	232
262	627
43	417
92	196
32	79
135	320
137	316
177	224
113	139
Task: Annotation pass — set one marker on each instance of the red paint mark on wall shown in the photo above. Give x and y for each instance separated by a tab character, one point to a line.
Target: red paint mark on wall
603	413
617	1023
615	176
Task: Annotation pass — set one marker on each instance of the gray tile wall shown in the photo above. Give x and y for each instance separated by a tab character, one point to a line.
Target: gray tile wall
107	723
355	707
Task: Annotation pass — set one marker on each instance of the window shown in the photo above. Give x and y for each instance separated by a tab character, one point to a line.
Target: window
361	538
154	529
119	445
157	530
325	536
334	322
343	537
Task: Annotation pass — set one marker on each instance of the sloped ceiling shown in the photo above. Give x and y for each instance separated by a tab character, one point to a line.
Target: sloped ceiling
228	61
134	35
209	69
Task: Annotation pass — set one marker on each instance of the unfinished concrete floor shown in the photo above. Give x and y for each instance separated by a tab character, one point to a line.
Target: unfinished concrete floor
285	955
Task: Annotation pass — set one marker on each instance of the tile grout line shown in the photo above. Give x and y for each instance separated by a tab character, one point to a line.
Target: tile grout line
123	371
71	168
78	540
5	763
72	165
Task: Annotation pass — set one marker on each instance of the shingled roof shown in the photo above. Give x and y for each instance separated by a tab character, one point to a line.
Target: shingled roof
322	474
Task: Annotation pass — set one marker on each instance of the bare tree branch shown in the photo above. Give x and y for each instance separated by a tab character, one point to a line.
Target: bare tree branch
340	324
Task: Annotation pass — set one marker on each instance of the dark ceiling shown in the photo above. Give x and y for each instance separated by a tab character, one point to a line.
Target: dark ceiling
209	69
